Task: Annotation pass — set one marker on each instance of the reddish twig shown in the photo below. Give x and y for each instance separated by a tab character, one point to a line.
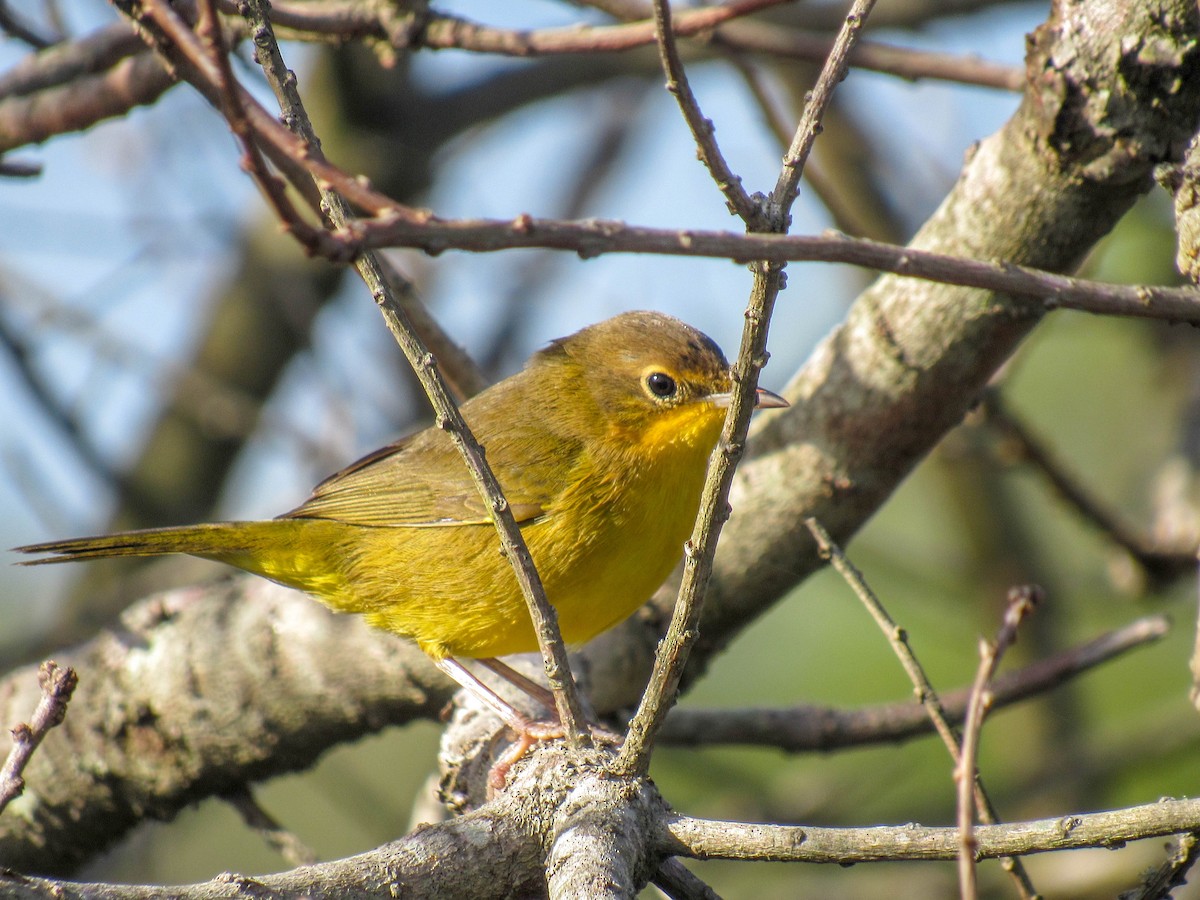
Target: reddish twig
203	73
233	108
58	683
1021	602
592	237
67	62
903	62
726	24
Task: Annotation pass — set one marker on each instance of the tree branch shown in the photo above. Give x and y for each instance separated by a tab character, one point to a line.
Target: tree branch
662	691
706	839
809	728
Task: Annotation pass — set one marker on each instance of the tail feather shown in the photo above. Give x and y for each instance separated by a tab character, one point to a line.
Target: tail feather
307	554
212	541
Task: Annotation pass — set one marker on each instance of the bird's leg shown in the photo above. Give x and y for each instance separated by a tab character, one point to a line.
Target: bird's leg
528	732
546	698
519	681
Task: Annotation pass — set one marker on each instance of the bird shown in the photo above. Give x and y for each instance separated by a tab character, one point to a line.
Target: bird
600	445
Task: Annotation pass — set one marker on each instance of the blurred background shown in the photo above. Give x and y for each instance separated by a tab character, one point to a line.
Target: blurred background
166	356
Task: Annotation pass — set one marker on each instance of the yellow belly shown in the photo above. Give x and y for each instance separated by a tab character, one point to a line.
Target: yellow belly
601	552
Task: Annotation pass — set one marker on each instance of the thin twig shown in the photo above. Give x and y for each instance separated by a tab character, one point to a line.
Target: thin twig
740	203
592	237
725	25
58	683
202	72
352	19
284	842
1161	565
788	185
14	26
448	417
71	60
808	728
669	662
1021	602
903	62
846	215
925	693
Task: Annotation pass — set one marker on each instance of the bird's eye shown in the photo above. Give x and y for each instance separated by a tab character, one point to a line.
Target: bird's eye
661	384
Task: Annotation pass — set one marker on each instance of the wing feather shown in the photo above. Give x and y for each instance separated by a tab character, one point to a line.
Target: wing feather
421	481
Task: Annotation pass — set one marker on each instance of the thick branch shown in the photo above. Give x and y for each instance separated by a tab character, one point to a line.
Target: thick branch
198	692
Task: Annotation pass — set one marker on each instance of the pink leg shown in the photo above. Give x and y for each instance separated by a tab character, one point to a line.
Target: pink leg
519	681
528	732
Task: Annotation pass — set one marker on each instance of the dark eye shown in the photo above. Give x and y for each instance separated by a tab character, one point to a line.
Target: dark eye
661	384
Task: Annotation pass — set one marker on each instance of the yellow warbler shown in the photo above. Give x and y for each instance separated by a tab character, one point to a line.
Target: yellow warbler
600	445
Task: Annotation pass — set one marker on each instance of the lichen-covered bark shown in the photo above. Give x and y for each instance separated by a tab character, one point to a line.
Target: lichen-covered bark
197	692
1114	90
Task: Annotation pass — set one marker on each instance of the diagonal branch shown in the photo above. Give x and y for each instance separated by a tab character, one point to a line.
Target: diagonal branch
672	656
740	203
447	414
923	689
809	728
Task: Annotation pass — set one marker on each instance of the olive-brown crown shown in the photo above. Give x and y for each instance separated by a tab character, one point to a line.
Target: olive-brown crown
638	362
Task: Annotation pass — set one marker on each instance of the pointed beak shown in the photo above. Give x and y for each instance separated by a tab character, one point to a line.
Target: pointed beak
764	399
769	400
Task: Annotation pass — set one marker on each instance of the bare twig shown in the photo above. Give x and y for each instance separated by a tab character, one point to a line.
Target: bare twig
904	62
183	45
349	20
1157	884
1021	602
137	80
448	417
71	60
14	26
1161	565
725	25
590	238
284	842
923	688
846	215
788	185
806	728
740	203
15	168
58	683
673	652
